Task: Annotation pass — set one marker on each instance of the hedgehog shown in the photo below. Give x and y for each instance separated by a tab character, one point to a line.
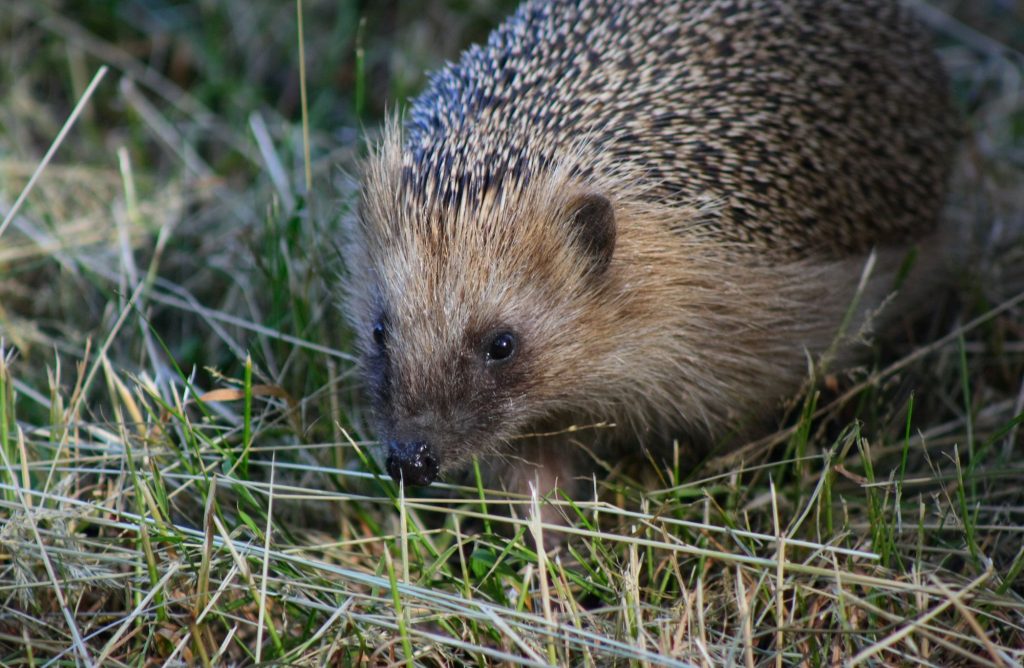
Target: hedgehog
646	214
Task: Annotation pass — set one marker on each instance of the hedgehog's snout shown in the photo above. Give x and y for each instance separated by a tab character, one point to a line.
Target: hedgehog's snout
414	463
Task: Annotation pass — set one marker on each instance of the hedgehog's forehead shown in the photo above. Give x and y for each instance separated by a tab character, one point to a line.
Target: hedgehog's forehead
450	227
434	294
452	206
445	258
455	180
473	252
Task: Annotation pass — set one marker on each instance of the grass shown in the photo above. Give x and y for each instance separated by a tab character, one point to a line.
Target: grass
183	444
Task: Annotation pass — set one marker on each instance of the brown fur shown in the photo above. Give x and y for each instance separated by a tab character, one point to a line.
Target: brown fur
743	221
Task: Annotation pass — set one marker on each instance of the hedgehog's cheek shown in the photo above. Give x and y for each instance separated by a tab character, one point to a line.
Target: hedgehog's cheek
412	463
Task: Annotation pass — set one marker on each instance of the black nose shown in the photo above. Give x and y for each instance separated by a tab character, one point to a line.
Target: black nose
414	463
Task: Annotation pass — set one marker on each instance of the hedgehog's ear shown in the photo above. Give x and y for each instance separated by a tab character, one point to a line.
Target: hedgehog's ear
592	225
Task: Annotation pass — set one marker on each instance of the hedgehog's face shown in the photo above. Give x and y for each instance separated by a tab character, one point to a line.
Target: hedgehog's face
444	390
469	328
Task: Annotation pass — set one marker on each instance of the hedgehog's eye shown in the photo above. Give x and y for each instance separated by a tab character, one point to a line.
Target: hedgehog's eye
380	333
502	347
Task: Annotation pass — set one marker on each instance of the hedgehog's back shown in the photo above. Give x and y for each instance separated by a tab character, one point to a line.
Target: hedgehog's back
816	125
